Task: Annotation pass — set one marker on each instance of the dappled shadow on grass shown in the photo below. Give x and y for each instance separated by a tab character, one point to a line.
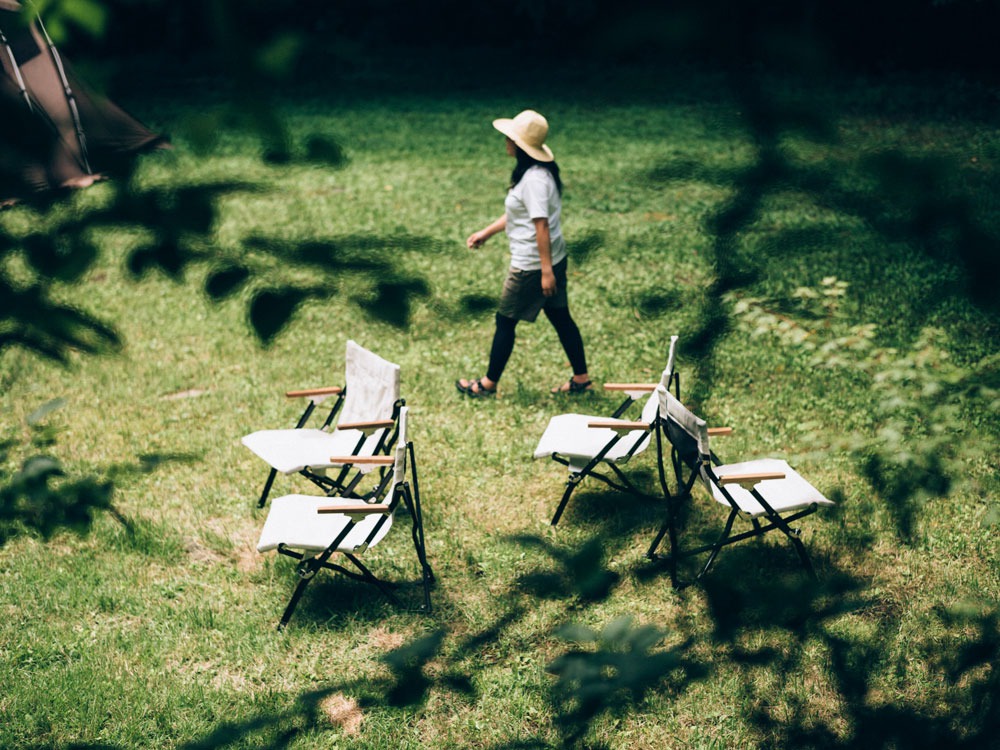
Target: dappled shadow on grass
863	212
605	673
582	249
66	245
766	615
763	612
177	226
612	513
329	601
367	264
613	677
756	589
576	573
468	309
333	599
751	561
656	304
921	201
476	304
147	463
766	622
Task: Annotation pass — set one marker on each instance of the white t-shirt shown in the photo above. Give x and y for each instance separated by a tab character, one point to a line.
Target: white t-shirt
534	197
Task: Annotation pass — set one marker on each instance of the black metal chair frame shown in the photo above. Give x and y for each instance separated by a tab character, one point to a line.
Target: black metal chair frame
590	468
344	484
684	454
309	565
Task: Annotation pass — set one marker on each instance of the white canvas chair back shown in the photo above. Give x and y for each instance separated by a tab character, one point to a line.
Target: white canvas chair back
687	432
767	492
399	467
587	447
689	436
372	386
652	404
669	369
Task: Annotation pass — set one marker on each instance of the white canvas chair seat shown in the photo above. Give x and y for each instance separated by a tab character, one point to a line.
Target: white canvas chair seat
295	522
783	495
312	529
568	435
291	451
767	492
582	444
365	410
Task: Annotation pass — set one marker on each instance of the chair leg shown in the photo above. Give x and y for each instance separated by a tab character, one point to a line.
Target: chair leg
800	549
571	483
267	488
293	602
411	499
651	552
668	522
417	533
788	531
717	547
307	569
369	577
667	528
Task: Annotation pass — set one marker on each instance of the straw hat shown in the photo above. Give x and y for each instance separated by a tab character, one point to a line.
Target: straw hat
528	130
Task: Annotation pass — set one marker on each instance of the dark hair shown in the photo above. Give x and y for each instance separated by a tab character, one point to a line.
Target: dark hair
526	161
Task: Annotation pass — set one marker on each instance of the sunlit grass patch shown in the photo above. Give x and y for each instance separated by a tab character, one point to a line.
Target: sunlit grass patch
160	631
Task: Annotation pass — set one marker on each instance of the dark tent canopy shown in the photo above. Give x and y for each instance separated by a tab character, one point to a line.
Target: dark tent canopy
54	133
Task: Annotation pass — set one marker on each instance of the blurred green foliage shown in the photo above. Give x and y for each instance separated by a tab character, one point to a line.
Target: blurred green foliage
55	247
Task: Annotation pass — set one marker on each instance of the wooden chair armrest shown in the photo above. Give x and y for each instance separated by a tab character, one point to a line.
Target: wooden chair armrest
366	427
332	390
618	425
356	509
630	386
748	480
719	431
372	460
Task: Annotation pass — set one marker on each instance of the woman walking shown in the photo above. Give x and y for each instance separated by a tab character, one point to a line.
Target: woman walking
536	280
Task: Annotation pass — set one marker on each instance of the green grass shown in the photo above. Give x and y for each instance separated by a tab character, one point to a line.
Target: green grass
162	635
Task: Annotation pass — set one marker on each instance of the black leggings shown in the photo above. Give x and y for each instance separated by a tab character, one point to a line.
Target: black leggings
566	329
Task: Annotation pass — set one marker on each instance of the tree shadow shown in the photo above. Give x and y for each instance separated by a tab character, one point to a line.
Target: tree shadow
614	513
583	249
760	621
580	574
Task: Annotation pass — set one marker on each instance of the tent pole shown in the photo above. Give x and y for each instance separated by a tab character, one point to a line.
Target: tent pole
70	99
17	71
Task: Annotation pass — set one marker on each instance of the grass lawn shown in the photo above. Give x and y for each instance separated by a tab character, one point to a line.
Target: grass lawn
164	636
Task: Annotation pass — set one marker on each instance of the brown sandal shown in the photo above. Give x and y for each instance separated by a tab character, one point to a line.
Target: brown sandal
573	387
479	391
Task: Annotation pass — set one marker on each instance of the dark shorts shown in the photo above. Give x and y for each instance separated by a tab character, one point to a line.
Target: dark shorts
522	297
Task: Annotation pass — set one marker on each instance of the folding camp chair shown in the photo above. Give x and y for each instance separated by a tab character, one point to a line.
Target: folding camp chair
368	406
767	492
312	529
585	443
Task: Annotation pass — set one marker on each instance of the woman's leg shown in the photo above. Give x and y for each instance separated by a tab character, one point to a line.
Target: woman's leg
503	345
571	340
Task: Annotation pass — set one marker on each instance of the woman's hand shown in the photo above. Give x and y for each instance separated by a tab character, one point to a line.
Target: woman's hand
548	282
545	254
478	239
